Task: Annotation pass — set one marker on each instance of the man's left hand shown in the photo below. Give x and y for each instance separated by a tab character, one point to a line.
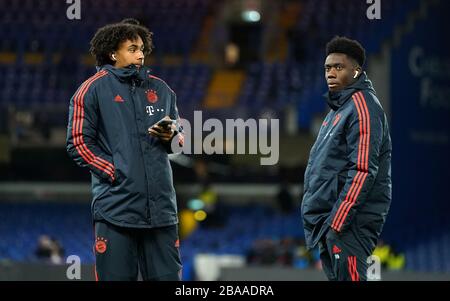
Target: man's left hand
163	133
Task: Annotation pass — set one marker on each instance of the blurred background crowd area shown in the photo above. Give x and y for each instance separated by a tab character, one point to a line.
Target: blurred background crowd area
260	59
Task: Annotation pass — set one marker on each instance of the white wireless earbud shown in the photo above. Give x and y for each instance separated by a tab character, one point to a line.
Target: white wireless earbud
113	57
356	74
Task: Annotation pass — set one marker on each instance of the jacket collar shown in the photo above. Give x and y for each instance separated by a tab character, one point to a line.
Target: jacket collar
127	74
336	99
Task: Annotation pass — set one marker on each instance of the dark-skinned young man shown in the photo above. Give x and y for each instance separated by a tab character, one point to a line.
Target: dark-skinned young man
347	186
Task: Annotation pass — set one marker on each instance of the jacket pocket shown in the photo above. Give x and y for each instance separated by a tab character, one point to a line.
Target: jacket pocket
119	177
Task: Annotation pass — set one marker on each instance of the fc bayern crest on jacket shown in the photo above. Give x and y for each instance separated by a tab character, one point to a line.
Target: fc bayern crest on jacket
152	97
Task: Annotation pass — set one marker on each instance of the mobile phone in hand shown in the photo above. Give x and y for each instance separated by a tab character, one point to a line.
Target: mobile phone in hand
166	123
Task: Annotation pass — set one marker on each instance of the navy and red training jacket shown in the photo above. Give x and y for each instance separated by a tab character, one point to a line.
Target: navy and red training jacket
348	177
107	132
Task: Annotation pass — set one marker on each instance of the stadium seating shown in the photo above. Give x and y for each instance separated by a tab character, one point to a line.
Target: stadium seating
298	82
278	85
71	224
44	29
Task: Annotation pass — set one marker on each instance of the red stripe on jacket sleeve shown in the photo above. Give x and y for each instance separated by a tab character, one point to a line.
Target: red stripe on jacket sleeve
362	162
77	129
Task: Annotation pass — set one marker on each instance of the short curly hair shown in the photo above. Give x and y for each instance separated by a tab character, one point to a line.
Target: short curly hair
108	38
344	45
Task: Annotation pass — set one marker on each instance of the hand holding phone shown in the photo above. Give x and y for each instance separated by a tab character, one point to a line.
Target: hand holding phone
165	123
163	129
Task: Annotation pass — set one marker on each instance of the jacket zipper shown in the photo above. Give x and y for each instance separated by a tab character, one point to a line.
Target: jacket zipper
133	88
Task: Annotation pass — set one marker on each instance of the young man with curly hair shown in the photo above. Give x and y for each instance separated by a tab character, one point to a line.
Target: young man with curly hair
113	131
347	187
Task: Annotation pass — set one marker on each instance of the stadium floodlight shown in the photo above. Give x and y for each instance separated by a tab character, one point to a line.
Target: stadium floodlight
251	16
